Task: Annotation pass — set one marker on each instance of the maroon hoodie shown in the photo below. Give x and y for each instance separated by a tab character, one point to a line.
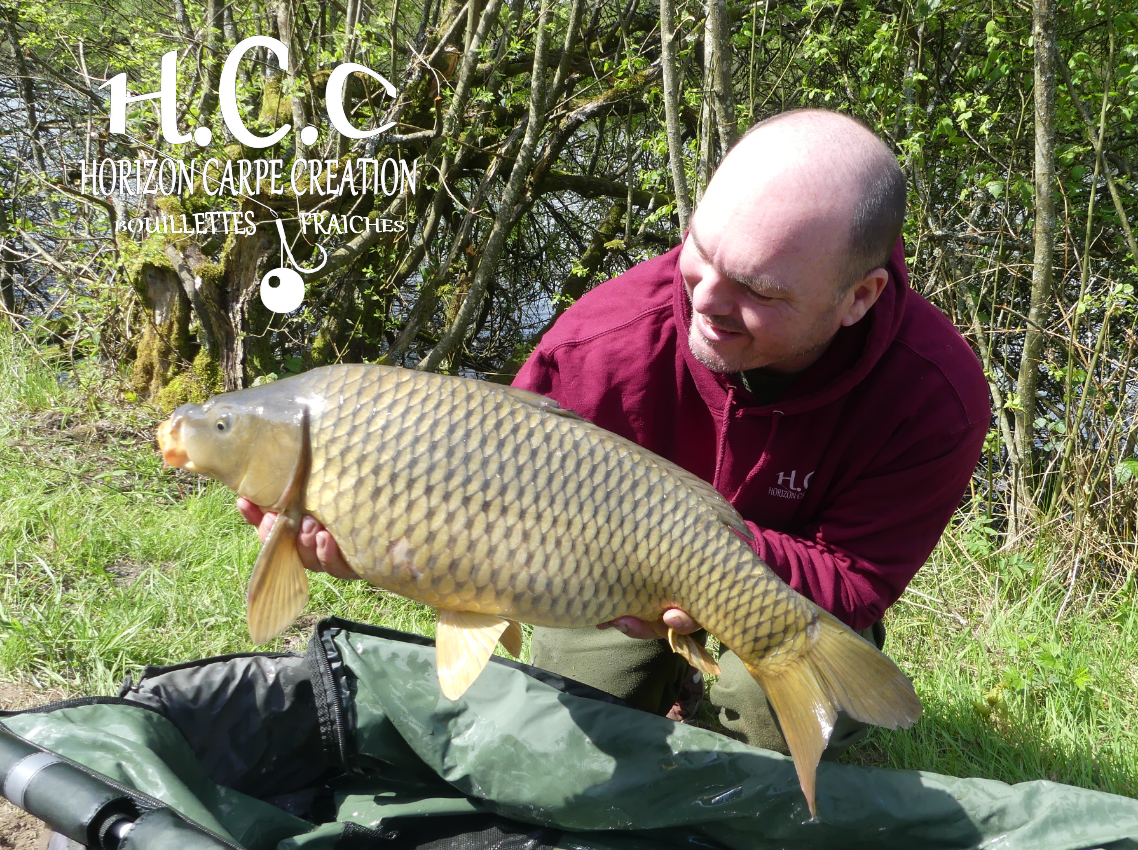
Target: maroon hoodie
847	480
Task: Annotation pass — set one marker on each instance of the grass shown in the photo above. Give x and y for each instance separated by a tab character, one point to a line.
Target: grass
1011	690
109	562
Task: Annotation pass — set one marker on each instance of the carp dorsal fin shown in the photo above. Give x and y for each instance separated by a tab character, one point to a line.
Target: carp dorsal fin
694	652
278	588
540	401
464	642
715	500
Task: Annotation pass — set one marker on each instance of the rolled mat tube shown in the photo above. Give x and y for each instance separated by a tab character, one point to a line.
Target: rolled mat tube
70	801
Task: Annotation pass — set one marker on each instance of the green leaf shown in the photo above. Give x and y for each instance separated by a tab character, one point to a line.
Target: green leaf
1081	678
1126	470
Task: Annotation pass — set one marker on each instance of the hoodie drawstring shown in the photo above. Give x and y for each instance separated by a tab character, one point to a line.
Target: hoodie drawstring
721	447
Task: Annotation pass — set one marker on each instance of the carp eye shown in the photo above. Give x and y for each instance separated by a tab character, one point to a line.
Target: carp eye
222	424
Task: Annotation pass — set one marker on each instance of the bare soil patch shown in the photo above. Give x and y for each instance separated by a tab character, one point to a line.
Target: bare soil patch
297	635
18	829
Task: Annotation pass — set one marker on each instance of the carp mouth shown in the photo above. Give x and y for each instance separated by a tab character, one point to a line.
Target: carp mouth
170	444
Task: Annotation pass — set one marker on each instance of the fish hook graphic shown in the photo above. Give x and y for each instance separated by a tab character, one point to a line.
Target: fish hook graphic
288	293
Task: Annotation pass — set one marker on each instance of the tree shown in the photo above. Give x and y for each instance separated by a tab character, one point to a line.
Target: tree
543	165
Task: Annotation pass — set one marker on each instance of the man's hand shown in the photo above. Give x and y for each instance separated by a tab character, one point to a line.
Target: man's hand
673	618
318	551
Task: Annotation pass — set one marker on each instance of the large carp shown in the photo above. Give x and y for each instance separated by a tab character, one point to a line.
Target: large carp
496	505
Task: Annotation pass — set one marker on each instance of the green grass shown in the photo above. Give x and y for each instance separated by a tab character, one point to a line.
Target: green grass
109	562
1008	692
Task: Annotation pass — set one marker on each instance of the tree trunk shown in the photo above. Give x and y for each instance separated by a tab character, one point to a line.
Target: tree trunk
509	206
672	111
183	21
27	94
246	345
718	110
7	288
211	60
7	278
164	347
284	16
722	93
706	145
1042	20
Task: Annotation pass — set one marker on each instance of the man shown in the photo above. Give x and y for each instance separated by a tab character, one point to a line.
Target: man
779	354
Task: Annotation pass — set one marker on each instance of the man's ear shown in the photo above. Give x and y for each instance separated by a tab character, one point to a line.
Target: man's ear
863	294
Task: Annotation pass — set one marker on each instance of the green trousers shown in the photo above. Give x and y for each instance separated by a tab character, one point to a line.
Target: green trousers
648	675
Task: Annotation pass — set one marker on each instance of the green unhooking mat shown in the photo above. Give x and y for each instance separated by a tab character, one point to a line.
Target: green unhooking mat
353	747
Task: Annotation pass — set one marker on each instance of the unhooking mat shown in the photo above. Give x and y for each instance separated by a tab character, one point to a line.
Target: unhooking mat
353	747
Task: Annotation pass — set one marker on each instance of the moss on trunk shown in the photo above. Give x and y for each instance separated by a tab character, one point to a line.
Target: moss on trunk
164	349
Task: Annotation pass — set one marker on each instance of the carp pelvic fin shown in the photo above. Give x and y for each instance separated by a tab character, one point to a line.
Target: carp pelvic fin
694	653
464	642
511	638
278	590
839	671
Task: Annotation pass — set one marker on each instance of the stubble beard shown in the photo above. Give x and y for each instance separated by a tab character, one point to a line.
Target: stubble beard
704	351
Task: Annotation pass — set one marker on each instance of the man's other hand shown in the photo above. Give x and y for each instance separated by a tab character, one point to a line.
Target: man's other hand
318	551
673	618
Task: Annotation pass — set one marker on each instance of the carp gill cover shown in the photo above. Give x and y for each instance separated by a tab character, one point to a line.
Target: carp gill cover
496	505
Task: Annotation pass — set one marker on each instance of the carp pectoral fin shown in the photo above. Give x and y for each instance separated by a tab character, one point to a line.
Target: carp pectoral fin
694	653
839	671
278	589
511	638
464	642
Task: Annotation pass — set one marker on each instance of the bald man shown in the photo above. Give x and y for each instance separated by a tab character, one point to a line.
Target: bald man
779	354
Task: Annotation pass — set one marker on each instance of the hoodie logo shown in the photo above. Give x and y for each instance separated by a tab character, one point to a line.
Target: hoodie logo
786	488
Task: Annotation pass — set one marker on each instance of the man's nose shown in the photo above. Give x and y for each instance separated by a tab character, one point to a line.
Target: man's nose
713	293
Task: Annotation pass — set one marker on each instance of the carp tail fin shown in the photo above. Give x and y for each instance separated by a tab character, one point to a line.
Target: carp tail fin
839	671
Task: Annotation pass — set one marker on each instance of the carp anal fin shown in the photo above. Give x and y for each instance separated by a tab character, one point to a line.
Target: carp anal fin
278	588
839	671
511	638
464	642
694	653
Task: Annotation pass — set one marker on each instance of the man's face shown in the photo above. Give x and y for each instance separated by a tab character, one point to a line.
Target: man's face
742	320
762	264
